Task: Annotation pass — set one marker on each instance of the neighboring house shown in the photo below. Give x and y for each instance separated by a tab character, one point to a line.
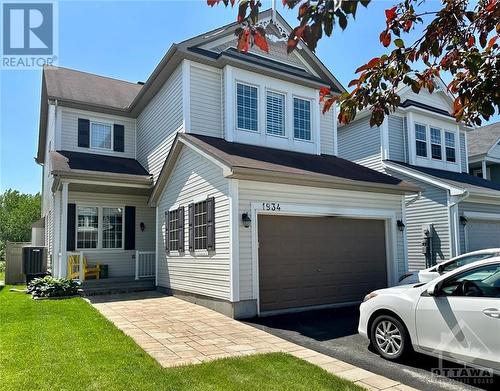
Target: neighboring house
223	165
422	144
484	152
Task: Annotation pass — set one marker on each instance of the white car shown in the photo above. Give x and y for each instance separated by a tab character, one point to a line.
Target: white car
455	317
433	272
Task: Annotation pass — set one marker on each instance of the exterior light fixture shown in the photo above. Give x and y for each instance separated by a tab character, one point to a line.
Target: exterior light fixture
463	220
143	226
401	225
245	218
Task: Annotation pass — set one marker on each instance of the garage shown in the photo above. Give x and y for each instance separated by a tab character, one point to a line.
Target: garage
482	234
313	261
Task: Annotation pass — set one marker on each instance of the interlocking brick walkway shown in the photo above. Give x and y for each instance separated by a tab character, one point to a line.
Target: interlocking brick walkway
176	332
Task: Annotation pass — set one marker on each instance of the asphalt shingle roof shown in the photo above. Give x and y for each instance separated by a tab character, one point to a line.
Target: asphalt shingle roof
480	140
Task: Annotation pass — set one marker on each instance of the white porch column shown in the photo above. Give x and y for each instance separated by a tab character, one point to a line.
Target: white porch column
64	228
485	172
56	250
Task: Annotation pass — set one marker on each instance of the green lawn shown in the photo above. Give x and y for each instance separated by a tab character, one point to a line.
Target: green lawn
67	345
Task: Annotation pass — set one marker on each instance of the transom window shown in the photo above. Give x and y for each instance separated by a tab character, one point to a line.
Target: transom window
200	225
100	135
451	154
246	102
112	227
421	140
174	232
87	231
436	144
302	119
275	113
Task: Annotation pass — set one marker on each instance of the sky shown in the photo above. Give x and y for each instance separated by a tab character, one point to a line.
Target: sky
126	40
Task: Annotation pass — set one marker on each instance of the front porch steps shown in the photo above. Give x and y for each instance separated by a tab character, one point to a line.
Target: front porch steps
107	286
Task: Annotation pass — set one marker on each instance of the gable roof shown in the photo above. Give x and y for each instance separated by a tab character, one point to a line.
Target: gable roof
458	180
252	162
481	140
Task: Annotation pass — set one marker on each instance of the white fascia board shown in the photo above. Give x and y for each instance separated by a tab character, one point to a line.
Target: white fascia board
482	216
424	178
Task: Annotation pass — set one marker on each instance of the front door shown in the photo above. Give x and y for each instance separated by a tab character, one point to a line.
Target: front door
463	321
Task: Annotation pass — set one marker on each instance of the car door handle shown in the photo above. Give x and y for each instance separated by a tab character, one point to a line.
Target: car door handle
492	313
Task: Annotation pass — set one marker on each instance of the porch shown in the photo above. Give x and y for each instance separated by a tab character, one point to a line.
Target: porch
99	278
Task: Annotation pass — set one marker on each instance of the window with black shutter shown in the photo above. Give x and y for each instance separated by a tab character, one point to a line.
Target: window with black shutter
202	225
174	233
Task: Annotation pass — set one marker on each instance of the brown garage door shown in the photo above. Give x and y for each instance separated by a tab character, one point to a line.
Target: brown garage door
308	261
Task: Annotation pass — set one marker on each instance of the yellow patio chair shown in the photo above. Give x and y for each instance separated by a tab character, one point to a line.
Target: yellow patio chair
88	270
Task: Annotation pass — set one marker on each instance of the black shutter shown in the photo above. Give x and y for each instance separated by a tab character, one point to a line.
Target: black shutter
211	224
167	231
70	228
83	133
118	138
130	228
191	227
180	216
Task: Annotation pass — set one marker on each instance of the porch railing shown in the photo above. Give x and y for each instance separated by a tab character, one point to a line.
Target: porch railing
145	264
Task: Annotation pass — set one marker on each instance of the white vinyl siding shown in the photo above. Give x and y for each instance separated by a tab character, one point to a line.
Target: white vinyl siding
360	143
206	101
121	263
430	208
250	192
69	132
158	124
194	179
397	139
326	123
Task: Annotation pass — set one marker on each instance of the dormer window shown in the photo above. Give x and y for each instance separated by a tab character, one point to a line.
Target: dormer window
436	143
302	119
275	113
421	140
101	135
246	102
451	153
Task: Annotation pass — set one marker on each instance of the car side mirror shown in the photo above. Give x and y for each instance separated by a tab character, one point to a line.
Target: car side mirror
433	290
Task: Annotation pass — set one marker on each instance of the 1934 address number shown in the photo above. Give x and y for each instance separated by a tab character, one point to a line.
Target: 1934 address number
271	206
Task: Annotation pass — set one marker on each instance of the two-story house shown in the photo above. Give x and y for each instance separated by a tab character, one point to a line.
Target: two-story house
422	144
484	152
222	164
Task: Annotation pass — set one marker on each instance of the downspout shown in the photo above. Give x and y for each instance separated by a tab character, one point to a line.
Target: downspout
413	200
456	223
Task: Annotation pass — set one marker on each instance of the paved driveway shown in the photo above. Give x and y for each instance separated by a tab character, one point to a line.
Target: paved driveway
334	332
176	332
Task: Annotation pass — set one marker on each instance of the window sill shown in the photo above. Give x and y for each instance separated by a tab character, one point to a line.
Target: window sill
202	253
175	254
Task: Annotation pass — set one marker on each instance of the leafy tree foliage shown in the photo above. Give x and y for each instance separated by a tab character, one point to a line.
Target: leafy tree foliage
17	212
460	40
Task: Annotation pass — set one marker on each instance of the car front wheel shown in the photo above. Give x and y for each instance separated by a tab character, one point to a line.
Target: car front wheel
389	337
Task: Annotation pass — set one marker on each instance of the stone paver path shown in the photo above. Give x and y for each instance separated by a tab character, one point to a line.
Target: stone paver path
176	332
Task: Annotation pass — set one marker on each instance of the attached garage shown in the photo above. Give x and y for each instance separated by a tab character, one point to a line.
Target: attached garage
314	261
481	234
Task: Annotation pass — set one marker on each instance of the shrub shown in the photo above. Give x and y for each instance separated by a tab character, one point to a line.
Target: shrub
2	266
49	286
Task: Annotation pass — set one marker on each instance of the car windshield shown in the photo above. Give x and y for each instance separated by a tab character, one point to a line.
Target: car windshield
464	261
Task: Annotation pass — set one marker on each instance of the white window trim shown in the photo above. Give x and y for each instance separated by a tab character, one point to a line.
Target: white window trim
285	116
100	216
428	161
311	140
112	135
245	83
456	145
427	141
441	133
